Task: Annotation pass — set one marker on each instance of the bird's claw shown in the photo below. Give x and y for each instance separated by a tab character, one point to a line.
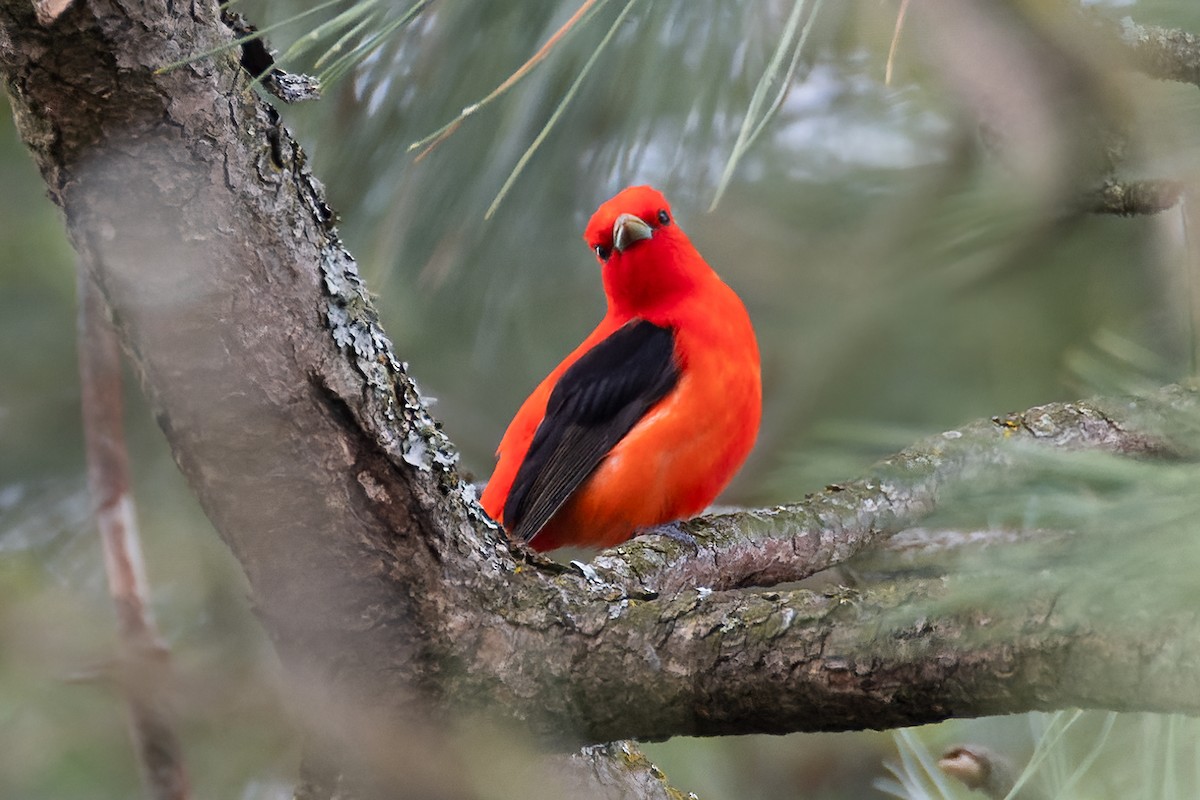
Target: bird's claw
675	532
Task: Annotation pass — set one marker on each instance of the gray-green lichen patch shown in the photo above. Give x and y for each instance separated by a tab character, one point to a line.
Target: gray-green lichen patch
396	413
392	410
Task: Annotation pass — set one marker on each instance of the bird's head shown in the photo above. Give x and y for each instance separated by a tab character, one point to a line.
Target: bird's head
646	259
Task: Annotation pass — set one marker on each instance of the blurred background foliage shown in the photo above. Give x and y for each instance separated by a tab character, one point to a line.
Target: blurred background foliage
908	250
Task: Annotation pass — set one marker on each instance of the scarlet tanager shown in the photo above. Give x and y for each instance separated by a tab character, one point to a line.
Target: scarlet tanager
647	420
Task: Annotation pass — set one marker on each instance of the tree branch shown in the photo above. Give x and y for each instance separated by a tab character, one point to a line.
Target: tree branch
1164	53
616	771
792	542
1135	198
905	653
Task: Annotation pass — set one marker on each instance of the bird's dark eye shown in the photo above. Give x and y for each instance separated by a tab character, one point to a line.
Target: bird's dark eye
663	217
603	252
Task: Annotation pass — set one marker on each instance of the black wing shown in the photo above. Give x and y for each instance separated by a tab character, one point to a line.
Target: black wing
594	404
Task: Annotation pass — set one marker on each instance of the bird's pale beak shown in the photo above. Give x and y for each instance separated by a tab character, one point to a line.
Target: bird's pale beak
629	229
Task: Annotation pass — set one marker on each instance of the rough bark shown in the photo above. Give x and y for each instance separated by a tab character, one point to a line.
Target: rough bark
373	570
792	542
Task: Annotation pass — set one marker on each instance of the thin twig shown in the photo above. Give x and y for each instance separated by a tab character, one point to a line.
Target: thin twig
144	659
754	121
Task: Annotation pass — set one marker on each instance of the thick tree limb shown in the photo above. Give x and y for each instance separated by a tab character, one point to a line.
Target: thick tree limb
902	654
789	543
193	212
373	570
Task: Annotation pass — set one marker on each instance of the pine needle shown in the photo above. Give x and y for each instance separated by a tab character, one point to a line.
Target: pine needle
528	154
1060	723
241	40
786	84
347	18
891	59
1110	719
359	53
337	47
427	144
755	117
927	761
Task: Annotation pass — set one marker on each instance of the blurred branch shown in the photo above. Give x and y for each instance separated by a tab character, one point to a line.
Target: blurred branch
144	662
1134	198
1163	53
616	771
419	764
1039	88
373	570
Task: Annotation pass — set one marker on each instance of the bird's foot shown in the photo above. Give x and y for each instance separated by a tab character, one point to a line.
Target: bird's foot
675	532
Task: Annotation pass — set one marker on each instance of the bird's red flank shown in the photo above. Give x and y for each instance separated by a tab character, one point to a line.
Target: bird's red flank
648	419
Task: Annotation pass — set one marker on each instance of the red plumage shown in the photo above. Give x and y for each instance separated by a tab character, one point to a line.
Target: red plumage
650	417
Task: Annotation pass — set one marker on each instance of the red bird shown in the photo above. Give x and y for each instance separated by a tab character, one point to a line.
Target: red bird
650	417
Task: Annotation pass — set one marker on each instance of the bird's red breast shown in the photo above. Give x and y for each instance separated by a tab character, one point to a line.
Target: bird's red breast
648	419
